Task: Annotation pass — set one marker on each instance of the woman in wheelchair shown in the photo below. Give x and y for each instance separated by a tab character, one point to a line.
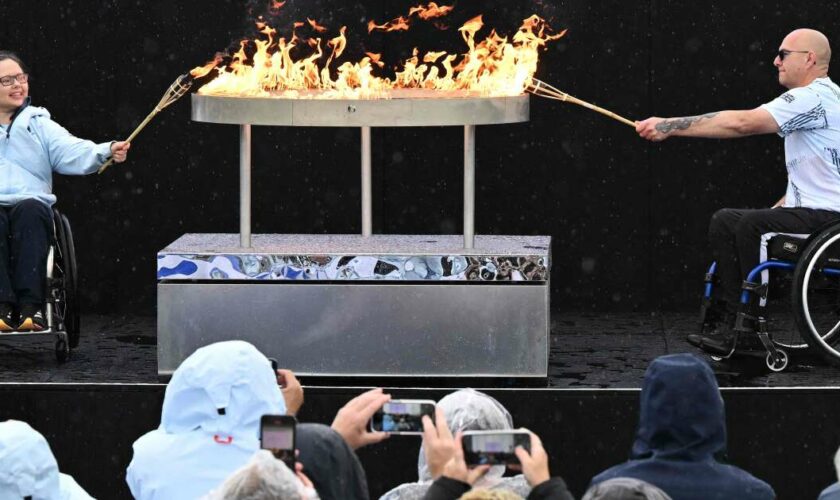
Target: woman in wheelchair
32	147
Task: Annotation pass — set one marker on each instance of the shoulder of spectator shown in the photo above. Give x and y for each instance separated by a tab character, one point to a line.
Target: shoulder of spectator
554	489
446	488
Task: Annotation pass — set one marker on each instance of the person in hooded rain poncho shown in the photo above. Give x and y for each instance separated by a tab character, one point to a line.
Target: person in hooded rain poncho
330	463
833	491
466	410
209	424
28	467
681	431
625	488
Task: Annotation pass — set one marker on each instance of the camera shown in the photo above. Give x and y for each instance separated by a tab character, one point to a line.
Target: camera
402	416
494	447
277	435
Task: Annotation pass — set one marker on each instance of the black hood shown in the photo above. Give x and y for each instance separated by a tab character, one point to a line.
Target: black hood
681	415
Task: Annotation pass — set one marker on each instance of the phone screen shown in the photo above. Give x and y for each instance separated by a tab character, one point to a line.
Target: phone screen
403	416
277	434
494	448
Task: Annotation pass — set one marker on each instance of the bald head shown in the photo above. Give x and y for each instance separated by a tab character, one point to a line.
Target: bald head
813	40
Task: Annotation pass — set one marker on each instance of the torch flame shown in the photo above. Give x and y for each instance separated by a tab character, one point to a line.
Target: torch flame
201	71
493	66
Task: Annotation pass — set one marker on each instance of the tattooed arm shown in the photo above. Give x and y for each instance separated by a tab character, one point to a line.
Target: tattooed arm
718	125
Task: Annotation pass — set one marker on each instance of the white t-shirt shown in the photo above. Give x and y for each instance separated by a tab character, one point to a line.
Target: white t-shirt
809	120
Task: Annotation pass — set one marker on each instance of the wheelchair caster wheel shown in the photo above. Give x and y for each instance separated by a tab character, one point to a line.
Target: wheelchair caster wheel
779	363
62	351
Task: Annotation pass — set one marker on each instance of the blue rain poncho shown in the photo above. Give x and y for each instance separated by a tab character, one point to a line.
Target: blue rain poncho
28	467
209	425
32	147
681	430
466	410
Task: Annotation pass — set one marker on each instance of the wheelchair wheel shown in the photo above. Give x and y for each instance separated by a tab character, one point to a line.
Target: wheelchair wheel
816	294
778	362
72	320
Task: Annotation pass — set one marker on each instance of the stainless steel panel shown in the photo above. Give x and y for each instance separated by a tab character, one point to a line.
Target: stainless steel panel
365	329
395	112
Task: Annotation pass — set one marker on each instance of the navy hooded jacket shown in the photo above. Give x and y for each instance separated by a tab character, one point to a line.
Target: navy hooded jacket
681	430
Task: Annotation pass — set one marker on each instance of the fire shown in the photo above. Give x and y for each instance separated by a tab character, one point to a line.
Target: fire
430	11
401	23
398	24
496	65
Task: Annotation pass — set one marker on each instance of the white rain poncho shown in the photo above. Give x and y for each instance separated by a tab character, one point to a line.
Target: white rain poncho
209	425
263	478
28	467
466	410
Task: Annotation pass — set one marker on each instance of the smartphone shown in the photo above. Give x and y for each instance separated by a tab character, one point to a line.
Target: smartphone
281	379
494	447
277	434
402	416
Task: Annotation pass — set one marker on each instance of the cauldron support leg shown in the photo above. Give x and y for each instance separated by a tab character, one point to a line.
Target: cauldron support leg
367	210
469	186
245	186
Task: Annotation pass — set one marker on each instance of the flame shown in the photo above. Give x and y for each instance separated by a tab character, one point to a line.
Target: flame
494	66
431	11
317	27
398	24
201	71
401	23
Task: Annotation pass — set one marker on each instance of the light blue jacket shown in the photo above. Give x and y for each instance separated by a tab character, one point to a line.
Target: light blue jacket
32	147
28	467
210	423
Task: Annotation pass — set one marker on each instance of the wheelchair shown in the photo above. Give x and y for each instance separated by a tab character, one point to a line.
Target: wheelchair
62	305
801	277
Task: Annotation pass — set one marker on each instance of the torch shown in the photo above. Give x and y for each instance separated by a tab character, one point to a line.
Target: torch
542	89
175	91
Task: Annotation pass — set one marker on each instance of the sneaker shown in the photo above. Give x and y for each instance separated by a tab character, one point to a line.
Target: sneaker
7	318
33	319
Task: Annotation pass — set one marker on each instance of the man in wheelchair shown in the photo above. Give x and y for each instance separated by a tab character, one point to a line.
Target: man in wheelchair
808	117
32	147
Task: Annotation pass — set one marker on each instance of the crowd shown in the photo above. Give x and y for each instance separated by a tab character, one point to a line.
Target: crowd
208	444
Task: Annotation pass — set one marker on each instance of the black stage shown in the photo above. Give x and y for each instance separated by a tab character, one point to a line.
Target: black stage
780	426
589	350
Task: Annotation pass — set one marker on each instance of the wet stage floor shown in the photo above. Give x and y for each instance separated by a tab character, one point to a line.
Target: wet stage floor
588	350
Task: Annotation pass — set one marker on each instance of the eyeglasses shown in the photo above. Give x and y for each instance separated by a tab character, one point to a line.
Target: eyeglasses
8	81
784	53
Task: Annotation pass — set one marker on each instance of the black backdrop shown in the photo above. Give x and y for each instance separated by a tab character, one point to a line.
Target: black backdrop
628	218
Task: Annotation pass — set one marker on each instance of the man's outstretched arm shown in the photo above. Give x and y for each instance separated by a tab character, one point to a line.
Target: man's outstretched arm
717	125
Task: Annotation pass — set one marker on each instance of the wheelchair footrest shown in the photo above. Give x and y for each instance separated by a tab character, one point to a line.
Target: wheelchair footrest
759	289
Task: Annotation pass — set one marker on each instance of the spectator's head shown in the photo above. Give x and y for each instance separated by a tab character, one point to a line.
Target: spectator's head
487	494
262	478
837	464
225	387
625	488
470	410
28	467
681	410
